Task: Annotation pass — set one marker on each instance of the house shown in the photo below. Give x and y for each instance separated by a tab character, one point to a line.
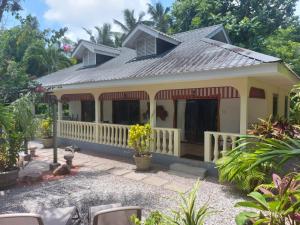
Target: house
198	91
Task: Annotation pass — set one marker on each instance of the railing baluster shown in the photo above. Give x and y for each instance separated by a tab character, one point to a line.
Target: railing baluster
164	151
170	150
224	150
158	145
216	147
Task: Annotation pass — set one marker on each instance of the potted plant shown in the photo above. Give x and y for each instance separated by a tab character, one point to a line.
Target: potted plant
46	131
10	146
140	141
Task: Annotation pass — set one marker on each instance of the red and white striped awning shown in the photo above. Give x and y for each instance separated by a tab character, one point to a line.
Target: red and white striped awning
129	95
77	97
220	92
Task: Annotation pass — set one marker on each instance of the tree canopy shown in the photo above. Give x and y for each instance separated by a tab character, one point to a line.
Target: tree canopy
27	52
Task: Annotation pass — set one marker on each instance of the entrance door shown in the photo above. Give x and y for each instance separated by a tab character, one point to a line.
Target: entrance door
126	112
88	111
200	115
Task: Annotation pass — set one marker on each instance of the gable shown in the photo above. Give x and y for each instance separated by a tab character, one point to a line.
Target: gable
93	54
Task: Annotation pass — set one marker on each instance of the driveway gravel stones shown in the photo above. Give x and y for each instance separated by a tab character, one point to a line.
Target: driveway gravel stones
112	181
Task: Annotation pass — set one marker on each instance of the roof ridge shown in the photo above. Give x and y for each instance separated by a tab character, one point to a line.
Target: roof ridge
211	42
97	44
200	28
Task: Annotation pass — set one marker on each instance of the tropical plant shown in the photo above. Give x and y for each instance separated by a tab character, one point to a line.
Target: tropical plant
140	139
249	164
104	35
186	214
130	20
160	16
44	60
295	105
10	140
155	218
275	128
278	203
25	122
46	127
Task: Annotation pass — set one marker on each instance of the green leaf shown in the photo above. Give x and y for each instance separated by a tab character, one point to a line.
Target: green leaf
249	205
259	198
243	217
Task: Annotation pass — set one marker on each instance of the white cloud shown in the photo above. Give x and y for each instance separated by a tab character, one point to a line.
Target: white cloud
76	14
298	8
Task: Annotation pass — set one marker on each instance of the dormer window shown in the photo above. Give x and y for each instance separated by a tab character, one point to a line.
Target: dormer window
145	45
93	54
147	41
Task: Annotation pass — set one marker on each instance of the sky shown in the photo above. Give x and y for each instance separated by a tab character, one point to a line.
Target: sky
76	14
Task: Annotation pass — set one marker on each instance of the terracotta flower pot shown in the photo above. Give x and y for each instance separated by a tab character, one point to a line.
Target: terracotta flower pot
143	163
8	178
47	142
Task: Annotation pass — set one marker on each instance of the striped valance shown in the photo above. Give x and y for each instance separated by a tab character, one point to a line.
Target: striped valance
129	95
77	97
221	92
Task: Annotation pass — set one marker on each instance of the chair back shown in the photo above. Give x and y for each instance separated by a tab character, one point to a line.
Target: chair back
20	219
117	216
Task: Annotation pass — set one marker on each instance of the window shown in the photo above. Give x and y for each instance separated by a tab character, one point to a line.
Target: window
286	107
126	112
275	105
88	111
145	45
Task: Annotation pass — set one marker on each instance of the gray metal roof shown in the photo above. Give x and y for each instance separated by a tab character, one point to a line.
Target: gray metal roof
195	53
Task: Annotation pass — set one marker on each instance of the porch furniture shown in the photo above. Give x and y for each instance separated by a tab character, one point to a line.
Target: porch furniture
117	216
55	216
95	209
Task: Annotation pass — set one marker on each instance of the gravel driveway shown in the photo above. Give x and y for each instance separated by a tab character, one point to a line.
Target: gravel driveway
95	188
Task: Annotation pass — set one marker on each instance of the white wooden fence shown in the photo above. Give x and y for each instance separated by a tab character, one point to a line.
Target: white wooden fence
165	140
217	143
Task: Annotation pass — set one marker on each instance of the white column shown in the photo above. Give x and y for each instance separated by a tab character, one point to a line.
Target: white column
59	110
97	110
97	116
152	111
244	92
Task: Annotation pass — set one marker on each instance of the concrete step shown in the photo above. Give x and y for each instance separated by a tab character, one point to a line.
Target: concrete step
190	170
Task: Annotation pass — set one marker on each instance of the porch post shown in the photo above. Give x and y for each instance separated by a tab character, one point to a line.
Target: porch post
152	110
97	116
59	114
244	91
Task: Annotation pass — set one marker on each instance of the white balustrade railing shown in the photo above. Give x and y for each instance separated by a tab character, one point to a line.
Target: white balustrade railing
165	140
217	144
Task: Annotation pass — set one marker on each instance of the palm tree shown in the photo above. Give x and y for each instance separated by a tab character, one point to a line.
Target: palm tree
104	35
160	16
130	20
41	60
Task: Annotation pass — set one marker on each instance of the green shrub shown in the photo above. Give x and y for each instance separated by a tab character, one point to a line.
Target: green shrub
254	158
10	140
140	139
278	203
